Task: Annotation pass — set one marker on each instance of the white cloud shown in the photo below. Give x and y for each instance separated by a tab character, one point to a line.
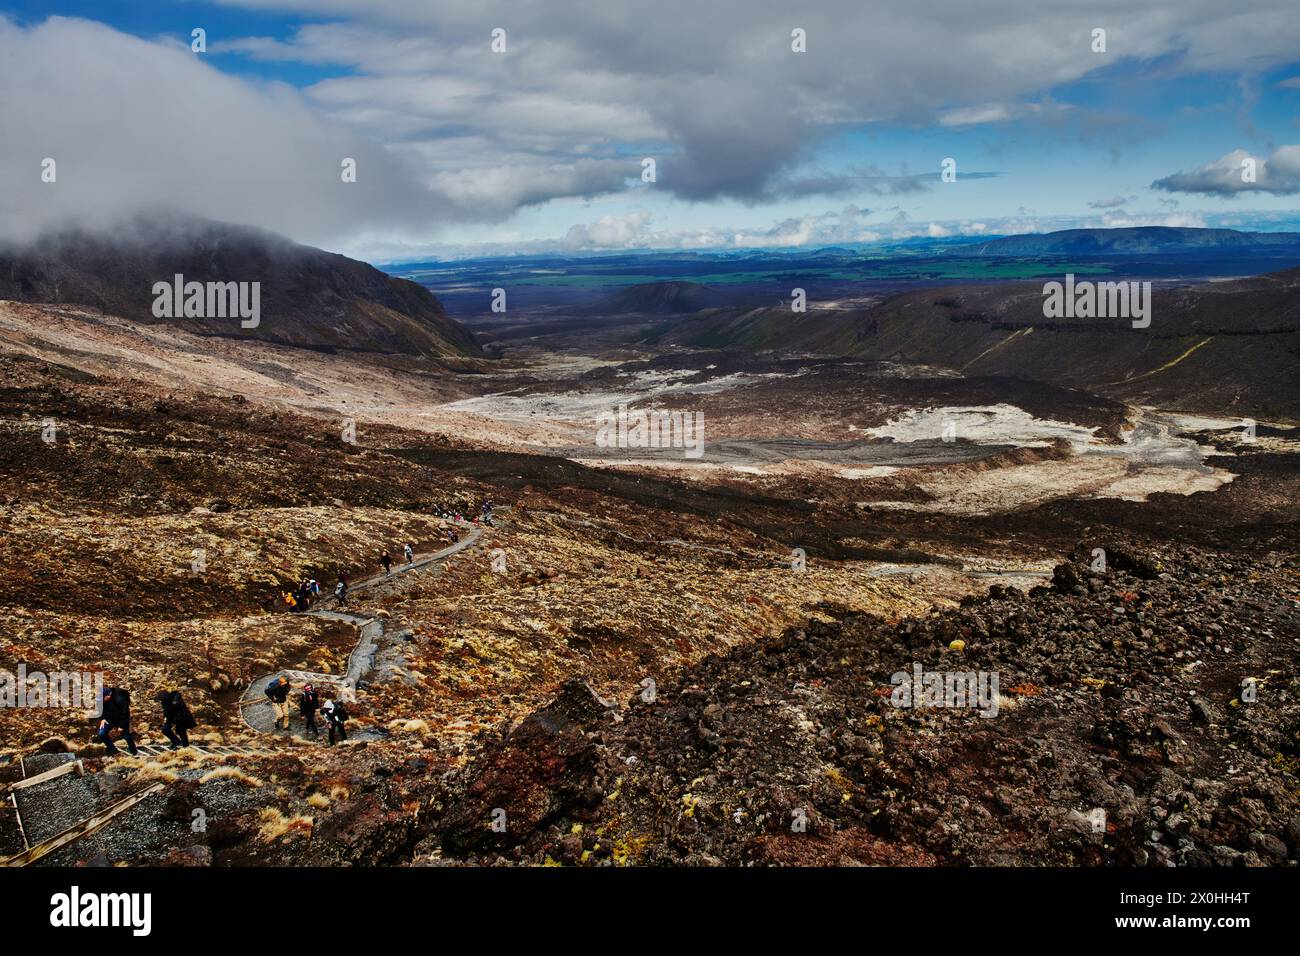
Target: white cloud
612	232
1240	172
1112	203
1000	113
714	89
1188	220
135	125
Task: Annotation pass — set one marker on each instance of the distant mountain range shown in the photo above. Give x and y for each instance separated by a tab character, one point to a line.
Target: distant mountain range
308	297
1135	241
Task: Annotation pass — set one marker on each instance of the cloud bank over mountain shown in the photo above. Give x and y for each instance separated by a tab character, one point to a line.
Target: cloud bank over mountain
445	132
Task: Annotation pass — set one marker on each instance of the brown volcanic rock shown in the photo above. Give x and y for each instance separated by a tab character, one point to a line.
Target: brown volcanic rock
309	297
545	768
1120	696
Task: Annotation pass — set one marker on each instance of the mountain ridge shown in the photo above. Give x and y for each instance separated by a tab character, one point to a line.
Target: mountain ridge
309	298
1223	346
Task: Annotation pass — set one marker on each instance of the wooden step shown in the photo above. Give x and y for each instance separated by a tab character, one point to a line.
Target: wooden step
73	766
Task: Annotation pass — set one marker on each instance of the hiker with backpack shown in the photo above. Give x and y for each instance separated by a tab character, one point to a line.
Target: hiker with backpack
115	720
410	554
335	716
308	704
278	693
177	719
386	560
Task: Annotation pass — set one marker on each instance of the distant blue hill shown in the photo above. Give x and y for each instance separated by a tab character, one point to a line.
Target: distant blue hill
1135	241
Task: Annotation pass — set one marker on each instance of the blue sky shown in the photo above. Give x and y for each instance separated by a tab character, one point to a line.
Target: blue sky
539	148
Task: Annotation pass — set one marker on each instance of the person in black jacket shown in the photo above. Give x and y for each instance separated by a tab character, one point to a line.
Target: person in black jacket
177	719
278	693
115	720
335	716
308	704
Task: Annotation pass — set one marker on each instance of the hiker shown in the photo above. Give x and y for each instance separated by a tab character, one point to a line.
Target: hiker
335	716
115	720
308	704
278	693
177	719
313	587
341	592
291	601
410	554
386	560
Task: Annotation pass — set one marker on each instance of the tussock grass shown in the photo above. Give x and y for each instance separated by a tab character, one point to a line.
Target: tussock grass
230	773
147	771
275	825
415	726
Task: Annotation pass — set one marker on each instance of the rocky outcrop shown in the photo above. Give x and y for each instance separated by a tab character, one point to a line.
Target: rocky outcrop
543	769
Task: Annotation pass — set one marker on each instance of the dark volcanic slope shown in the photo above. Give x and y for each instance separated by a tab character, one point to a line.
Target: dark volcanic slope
661	298
1147	717
309	297
1228	347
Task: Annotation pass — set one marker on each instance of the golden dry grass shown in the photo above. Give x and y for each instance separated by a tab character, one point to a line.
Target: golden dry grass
231	773
275	825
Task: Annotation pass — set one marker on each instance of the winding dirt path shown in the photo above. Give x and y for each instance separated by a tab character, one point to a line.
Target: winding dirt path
255	706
